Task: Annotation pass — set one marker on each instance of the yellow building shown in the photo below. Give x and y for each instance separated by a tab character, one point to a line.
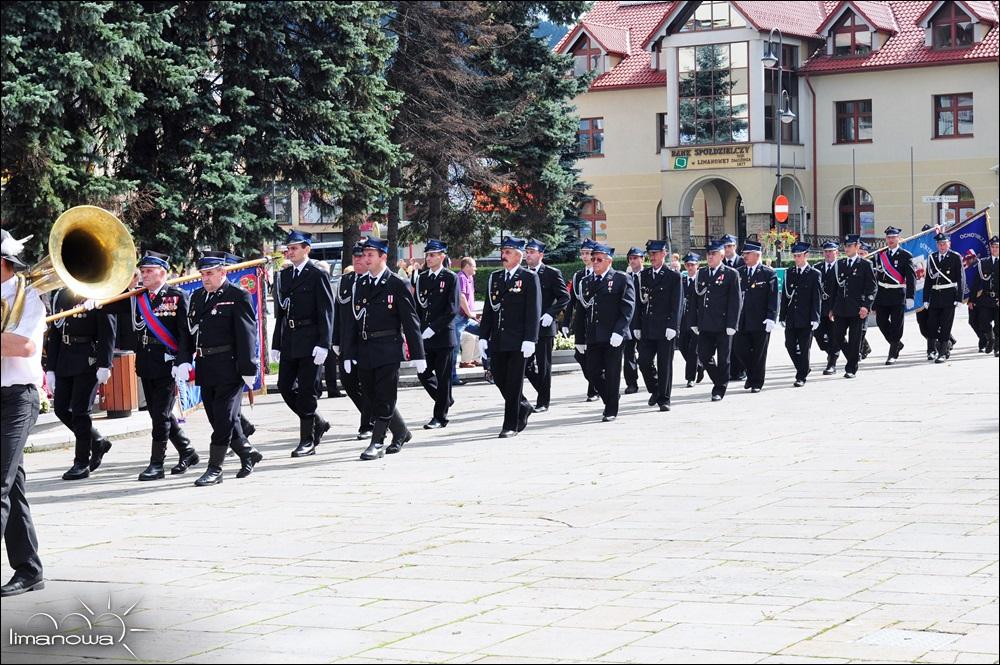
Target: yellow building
876	104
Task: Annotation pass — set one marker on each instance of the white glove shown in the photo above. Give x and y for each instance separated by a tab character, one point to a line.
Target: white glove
638	334
910	303
50	378
527	349
427	333
546	320
181	372
90	304
336	350
249	381
694	329
320	354
581	348
782	324
103	375
565	331
484	345
348	364
420	366
768	325
730	331
671	333
616	340
275	355
814	325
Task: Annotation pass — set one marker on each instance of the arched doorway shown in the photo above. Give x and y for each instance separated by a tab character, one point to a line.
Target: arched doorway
959	211
856	212
714	207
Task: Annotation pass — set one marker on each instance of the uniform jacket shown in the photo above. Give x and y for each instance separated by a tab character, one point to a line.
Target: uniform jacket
223	318
659	302
575	315
690	301
801	298
851	287
610	305
90	336
303	311
382	315
719	299
945	282
555	297
513	308
828	284
153	360
760	297
982	290
437	306
897	283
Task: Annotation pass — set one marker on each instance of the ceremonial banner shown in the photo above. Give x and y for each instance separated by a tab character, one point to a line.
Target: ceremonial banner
252	281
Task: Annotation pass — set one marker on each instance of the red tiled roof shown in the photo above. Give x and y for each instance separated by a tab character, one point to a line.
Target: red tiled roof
907	47
877	14
984	11
792	18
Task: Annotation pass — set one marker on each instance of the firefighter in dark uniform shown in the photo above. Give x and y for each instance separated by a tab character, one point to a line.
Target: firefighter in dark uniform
688	339
222	320
630	364
801	310
717	314
896	286
157	322
383	313
79	351
758	315
303	326
853	284
574	321
247	428
824	333
352	384
555	298
508	331
436	293
944	289
737	371
659	311
983	308
609	299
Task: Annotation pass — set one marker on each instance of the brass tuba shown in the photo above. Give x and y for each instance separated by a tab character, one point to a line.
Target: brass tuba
90	252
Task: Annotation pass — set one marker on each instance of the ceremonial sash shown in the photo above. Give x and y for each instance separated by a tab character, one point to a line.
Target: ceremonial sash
154	325
890	269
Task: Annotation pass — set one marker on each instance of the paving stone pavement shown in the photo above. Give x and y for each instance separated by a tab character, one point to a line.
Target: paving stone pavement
843	521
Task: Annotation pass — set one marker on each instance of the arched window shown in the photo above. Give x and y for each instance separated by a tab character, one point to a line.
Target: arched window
951	27
857	212
960	210
596	225
851	36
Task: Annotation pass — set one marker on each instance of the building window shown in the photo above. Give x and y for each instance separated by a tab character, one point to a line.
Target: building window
851	36
772	96
587	57
590	136
661	131
595	224
961	210
712	16
854	121
714	104
857	213
953	115
951	27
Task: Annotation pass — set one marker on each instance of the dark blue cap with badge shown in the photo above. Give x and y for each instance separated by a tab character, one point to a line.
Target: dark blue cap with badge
800	248
942	237
829	244
154	260
995	240
604	249
893	231
656	245
435	246
535	245
728	239
691	257
212	260
636	251
751	246
233	259
513	243
717	245
852	239
587	244
299	237
865	246
371	242
358	249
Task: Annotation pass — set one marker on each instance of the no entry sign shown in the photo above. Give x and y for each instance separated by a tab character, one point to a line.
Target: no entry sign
781	208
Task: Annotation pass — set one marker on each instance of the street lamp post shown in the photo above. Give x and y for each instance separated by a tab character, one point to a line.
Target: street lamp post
771	58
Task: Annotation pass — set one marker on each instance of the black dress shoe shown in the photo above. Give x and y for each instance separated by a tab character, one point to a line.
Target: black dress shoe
18	585
608	419
77	472
746	385
397	444
153	472
848	375
689	384
665	406
931	356
890	361
940	359
651	401
522	421
248	463
631	390
373	451
187	460
754	390
335	395
541	409
304	449
742	376
507	434
799	383
716	398
435	424
320	428
212	476
98	450
363	434
248	431
592	398
701	375
832	369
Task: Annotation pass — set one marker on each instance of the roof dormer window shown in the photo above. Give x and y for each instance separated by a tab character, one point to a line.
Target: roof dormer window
951	27
712	16
587	56
851	36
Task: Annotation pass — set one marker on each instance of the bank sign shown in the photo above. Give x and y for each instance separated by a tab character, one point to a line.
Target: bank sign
711	157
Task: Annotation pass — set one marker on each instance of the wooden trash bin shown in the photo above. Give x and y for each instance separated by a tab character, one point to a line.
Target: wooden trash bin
121	391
